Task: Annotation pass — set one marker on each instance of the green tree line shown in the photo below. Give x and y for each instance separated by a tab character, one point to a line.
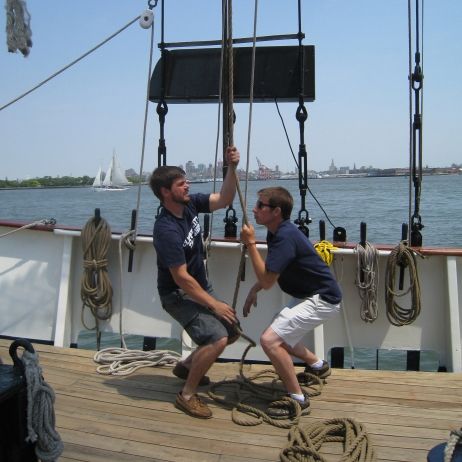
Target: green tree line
48	182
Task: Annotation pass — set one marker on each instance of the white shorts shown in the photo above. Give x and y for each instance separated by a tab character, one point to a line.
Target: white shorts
300	316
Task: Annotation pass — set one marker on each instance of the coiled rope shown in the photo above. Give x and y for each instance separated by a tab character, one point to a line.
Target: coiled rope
242	390
455	438
324	249
305	442
18	32
121	361
44	222
367	275
96	289
402	256
40	412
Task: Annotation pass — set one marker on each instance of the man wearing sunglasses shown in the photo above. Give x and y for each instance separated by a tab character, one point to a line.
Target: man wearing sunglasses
184	290
294	264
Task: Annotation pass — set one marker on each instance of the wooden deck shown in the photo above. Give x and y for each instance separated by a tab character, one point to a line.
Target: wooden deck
132	418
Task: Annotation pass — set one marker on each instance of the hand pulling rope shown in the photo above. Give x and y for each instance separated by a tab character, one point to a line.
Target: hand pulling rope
400	256
305	442
367	274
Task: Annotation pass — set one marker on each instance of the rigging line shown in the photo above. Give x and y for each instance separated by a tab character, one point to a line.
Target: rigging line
252	80
146	111
70	64
220	97
409	25
296	163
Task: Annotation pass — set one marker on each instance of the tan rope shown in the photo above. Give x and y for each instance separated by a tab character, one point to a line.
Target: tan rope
239	392
306	442
455	438
96	289
402	256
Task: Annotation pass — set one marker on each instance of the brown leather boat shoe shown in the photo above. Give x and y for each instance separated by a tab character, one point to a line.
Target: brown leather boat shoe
193	406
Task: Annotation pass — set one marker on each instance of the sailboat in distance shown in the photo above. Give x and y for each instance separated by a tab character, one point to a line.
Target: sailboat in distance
114	180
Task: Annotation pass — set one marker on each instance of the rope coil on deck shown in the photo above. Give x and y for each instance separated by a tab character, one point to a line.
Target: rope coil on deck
305	442
122	361
244	389
402	256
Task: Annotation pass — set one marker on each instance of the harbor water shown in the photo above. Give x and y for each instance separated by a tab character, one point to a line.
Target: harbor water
381	202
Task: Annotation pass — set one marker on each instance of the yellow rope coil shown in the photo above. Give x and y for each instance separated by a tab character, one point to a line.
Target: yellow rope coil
324	249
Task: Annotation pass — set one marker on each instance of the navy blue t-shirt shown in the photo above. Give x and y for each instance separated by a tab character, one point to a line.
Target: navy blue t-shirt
178	241
302	272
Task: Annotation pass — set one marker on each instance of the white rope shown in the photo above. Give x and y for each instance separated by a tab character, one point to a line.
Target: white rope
344	313
69	65
455	438
18	32
40	412
121	361
44	222
367	269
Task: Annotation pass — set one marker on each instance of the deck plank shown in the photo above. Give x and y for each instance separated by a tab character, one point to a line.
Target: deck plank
132	418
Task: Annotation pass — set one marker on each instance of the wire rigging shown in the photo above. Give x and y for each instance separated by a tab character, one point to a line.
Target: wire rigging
416	78
99	45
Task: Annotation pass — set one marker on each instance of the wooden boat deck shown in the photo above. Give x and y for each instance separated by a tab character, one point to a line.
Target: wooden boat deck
132	418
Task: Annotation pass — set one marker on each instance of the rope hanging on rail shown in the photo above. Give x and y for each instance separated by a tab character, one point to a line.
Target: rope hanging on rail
402	256
367	275
415	123
96	289
18	31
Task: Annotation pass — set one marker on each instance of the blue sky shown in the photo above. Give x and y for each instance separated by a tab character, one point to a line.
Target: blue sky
360	116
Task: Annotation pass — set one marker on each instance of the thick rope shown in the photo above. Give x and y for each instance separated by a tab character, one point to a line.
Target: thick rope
40	412
44	222
367	275
121	361
96	289
455	438
402	256
242	390
18	31
306	442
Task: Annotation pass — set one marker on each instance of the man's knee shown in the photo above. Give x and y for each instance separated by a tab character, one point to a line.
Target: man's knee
269	339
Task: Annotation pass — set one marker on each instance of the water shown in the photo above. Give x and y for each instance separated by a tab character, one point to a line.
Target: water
382	203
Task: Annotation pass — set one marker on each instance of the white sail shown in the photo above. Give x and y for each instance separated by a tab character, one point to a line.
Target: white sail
97	183
115	179
108	178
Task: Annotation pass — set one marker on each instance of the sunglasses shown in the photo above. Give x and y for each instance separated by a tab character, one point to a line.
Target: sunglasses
261	204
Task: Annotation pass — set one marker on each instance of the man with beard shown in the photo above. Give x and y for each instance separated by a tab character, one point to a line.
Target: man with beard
184	290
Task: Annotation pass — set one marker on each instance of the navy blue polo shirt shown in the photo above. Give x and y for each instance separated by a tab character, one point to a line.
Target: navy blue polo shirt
302	272
178	241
